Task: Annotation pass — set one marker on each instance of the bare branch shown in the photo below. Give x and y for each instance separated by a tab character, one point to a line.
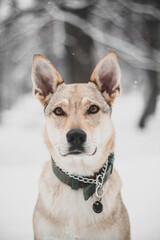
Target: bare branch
21	13
75	4
31	29
108	16
128	51
141	8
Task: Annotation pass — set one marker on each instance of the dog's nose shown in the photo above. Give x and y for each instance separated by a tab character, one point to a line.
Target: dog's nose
76	137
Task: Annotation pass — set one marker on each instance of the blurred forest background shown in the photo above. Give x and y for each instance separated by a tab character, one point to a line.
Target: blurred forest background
74	35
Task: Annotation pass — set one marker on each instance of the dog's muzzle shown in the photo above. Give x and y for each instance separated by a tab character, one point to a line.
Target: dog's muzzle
76	139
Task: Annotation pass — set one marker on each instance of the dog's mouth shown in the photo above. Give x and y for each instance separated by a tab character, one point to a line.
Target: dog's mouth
75	152
79	152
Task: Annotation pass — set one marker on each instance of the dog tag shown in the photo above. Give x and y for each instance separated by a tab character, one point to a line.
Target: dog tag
97	207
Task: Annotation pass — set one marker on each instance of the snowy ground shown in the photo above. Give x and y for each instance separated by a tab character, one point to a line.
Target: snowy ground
23	153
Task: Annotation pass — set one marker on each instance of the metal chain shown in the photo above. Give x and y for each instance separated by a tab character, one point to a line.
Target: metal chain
98	181
83	179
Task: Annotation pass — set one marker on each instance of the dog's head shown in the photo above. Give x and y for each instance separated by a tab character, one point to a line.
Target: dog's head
79	132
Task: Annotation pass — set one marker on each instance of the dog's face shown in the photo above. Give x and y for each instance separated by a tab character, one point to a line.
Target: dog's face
79	131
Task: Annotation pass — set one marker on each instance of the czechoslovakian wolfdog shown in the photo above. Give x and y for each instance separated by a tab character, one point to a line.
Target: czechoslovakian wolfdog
79	191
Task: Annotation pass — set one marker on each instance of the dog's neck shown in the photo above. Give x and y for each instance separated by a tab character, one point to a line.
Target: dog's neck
89	184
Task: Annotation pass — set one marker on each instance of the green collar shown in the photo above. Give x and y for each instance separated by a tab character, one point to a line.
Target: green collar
88	188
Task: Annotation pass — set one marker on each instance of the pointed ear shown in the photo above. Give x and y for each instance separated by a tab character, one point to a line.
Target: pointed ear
45	78
107	77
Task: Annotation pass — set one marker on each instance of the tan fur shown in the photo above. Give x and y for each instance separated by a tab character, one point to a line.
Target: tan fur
62	213
57	75
94	78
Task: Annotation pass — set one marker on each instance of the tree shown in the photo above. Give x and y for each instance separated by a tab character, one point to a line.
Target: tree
73	34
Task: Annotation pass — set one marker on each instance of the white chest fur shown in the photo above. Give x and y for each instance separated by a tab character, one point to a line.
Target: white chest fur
62	213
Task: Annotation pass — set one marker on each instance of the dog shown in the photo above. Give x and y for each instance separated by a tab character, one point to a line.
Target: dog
79	190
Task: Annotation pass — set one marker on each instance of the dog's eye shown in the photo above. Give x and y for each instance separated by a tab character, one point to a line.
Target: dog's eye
59	111
93	109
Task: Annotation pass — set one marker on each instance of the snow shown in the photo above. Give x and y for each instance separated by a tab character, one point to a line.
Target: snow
138	155
23	154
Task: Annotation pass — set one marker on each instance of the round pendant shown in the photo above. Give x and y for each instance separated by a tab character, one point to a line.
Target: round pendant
97	207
